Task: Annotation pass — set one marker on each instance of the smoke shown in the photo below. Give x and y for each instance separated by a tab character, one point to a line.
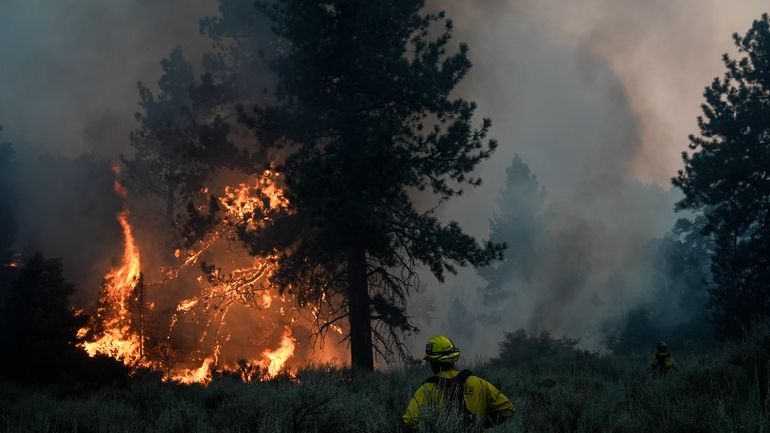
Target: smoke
597	97
69	68
66	208
69	72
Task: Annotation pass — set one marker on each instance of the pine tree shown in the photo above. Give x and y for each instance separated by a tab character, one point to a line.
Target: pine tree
725	179
182	137
365	117
37	324
519	225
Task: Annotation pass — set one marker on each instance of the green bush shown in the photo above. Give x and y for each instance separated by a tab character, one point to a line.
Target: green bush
539	352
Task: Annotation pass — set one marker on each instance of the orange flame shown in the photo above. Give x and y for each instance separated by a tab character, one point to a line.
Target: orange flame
120	190
117	339
113	334
253	204
200	375
274	360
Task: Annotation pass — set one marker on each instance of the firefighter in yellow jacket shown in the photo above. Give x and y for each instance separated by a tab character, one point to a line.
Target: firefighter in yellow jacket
662	362
478	401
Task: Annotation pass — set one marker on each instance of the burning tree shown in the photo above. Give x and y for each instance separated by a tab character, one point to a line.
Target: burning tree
183	137
365	119
117	327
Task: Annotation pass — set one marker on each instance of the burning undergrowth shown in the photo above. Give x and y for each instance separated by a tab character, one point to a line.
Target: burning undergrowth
213	309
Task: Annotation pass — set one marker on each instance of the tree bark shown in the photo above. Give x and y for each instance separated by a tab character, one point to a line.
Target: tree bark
358	311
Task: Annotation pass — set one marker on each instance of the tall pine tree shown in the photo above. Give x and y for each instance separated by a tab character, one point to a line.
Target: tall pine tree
519	225
726	179
183	137
365	117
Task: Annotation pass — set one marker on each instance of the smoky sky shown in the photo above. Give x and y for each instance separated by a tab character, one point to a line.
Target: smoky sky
69	68
596	96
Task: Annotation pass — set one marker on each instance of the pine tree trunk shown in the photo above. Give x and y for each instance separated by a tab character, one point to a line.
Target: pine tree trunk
358	310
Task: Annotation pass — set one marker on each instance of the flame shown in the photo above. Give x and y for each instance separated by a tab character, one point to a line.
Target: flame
244	289
123	279
274	360
271	364
190	376
186	305
249	205
253	204
267	300
117	185
116	338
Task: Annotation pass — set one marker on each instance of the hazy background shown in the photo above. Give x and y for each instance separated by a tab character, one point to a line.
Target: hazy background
596	96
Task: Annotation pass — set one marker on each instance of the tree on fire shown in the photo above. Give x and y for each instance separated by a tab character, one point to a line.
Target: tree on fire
38	331
364	115
726	179
182	139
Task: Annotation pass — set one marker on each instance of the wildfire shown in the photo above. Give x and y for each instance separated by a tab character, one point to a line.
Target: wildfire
116	338
270	364
200	375
276	359
253	204
244	290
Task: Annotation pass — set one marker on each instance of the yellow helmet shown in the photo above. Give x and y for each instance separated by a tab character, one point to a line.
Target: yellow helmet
441	349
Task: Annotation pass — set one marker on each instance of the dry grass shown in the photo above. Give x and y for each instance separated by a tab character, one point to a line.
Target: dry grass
717	391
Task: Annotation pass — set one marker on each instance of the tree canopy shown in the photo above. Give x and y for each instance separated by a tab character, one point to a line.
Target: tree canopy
726	179
37	326
365	117
518	224
182	138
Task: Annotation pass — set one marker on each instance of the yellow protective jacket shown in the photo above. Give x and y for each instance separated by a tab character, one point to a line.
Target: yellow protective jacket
488	405
662	362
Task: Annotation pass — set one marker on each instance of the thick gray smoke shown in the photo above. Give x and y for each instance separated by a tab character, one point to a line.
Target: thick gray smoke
69	72
69	68
597	96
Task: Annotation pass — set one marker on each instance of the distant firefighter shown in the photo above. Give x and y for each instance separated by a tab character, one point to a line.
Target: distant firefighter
480	404
662	362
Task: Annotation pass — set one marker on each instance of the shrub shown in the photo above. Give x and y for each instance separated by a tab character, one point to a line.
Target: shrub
520	349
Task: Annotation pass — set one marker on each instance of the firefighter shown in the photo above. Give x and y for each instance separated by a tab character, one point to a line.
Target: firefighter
478	401
662	362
